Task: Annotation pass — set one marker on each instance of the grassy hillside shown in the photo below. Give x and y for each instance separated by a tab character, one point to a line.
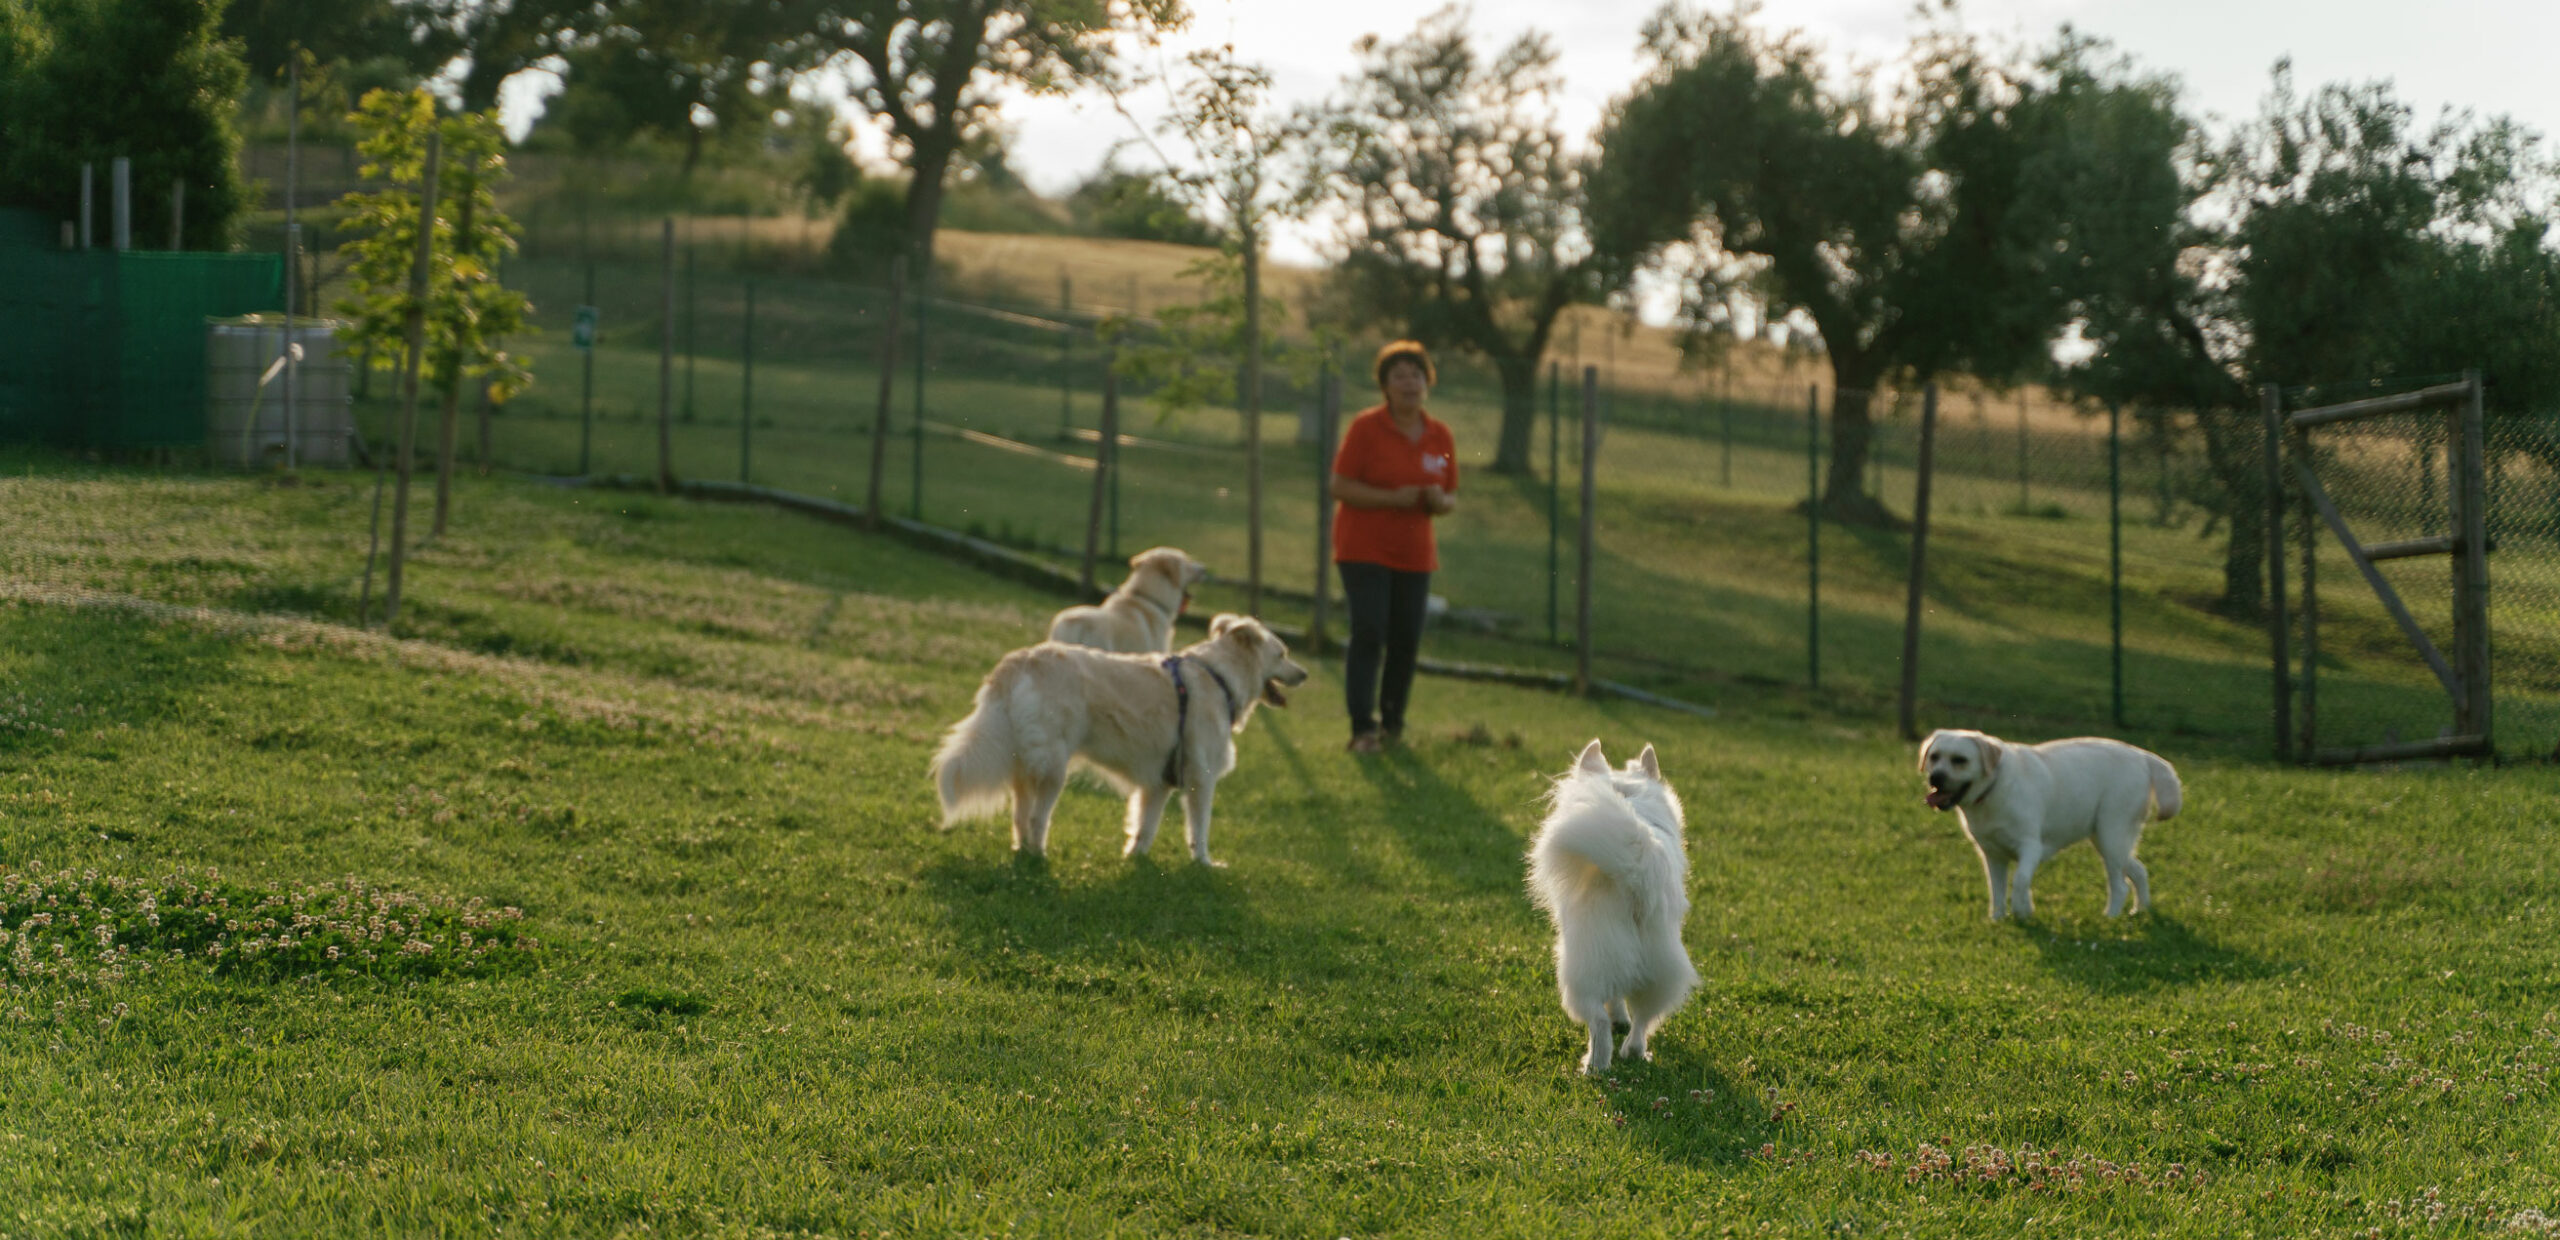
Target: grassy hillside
753	992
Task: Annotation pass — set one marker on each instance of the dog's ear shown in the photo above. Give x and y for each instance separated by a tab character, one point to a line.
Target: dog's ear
1592	760
1648	764
1990	750
1245	632
1926	745
1223	621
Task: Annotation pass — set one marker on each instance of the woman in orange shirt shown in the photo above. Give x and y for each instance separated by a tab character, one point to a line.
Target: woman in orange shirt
1397	469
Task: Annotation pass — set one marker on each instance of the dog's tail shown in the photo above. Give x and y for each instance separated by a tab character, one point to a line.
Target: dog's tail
2166	796
1593	836
1074	626
973	770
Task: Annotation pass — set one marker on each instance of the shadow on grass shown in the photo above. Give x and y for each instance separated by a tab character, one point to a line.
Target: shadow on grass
1139	930
1440	825
2160	953
1707	1119
76	671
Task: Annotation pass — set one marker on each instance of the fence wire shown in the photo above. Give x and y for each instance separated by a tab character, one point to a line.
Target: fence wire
1710	577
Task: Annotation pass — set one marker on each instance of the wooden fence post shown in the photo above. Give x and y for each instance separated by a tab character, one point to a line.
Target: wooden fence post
1919	564
1106	459
666	354
2471	568
1590	488
1328	411
888	377
2271	402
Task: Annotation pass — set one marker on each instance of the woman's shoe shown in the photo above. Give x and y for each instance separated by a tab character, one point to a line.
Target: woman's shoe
1366	742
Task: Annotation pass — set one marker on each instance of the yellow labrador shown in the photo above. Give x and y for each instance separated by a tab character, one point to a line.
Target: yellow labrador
2021	804
1138	617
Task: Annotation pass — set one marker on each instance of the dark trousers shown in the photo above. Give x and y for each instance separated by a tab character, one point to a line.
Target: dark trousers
1386	609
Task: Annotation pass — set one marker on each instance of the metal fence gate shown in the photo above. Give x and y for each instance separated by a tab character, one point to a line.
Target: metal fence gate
2445	418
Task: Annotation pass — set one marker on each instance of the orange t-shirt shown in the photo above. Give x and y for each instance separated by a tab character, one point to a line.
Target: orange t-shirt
1375	452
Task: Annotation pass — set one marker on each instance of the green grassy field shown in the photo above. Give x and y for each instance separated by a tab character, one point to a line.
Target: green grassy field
753	992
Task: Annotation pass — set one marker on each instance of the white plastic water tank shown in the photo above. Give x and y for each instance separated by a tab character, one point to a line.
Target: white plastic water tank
247	423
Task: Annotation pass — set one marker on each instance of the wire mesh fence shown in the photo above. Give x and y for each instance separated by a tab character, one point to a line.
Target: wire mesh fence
1710	578
2394	482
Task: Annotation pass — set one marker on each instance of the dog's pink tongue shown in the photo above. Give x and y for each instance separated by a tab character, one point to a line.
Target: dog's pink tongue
1941	799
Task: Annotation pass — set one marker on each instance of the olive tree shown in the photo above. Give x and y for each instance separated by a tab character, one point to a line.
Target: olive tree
1900	225
1465	216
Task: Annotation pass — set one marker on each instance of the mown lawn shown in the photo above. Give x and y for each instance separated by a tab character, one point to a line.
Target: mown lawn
754	992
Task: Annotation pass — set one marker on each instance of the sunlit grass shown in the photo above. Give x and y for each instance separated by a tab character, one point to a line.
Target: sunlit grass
687	742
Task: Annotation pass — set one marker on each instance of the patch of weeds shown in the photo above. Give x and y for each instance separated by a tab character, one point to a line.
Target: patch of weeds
647	1007
2360	884
1989	1168
60	927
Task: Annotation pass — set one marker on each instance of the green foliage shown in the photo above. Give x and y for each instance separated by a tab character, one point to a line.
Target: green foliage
871	231
687	71
384	223
1906	230
986	196
152	80
1194	356
823	148
1467	226
2368	246
372	39
1237	172
469	314
499	41
1217	350
2332	240
931	71
1118	203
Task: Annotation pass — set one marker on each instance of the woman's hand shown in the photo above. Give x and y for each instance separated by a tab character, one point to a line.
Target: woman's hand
1438	502
1360	494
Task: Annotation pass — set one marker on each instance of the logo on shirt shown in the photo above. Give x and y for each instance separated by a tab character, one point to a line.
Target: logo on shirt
1434	463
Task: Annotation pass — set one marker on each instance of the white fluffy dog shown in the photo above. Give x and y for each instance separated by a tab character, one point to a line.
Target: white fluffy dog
1138	617
1149	724
1608	866
2021	804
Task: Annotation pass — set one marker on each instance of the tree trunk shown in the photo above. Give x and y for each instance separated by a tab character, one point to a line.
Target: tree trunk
449	399
486	410
450	380
1519	412
2238	496
924	206
1844	489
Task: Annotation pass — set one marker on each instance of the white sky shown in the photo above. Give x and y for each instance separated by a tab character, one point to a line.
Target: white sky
2489	55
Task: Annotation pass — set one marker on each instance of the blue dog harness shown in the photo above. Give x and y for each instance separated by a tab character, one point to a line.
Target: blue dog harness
1182	714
